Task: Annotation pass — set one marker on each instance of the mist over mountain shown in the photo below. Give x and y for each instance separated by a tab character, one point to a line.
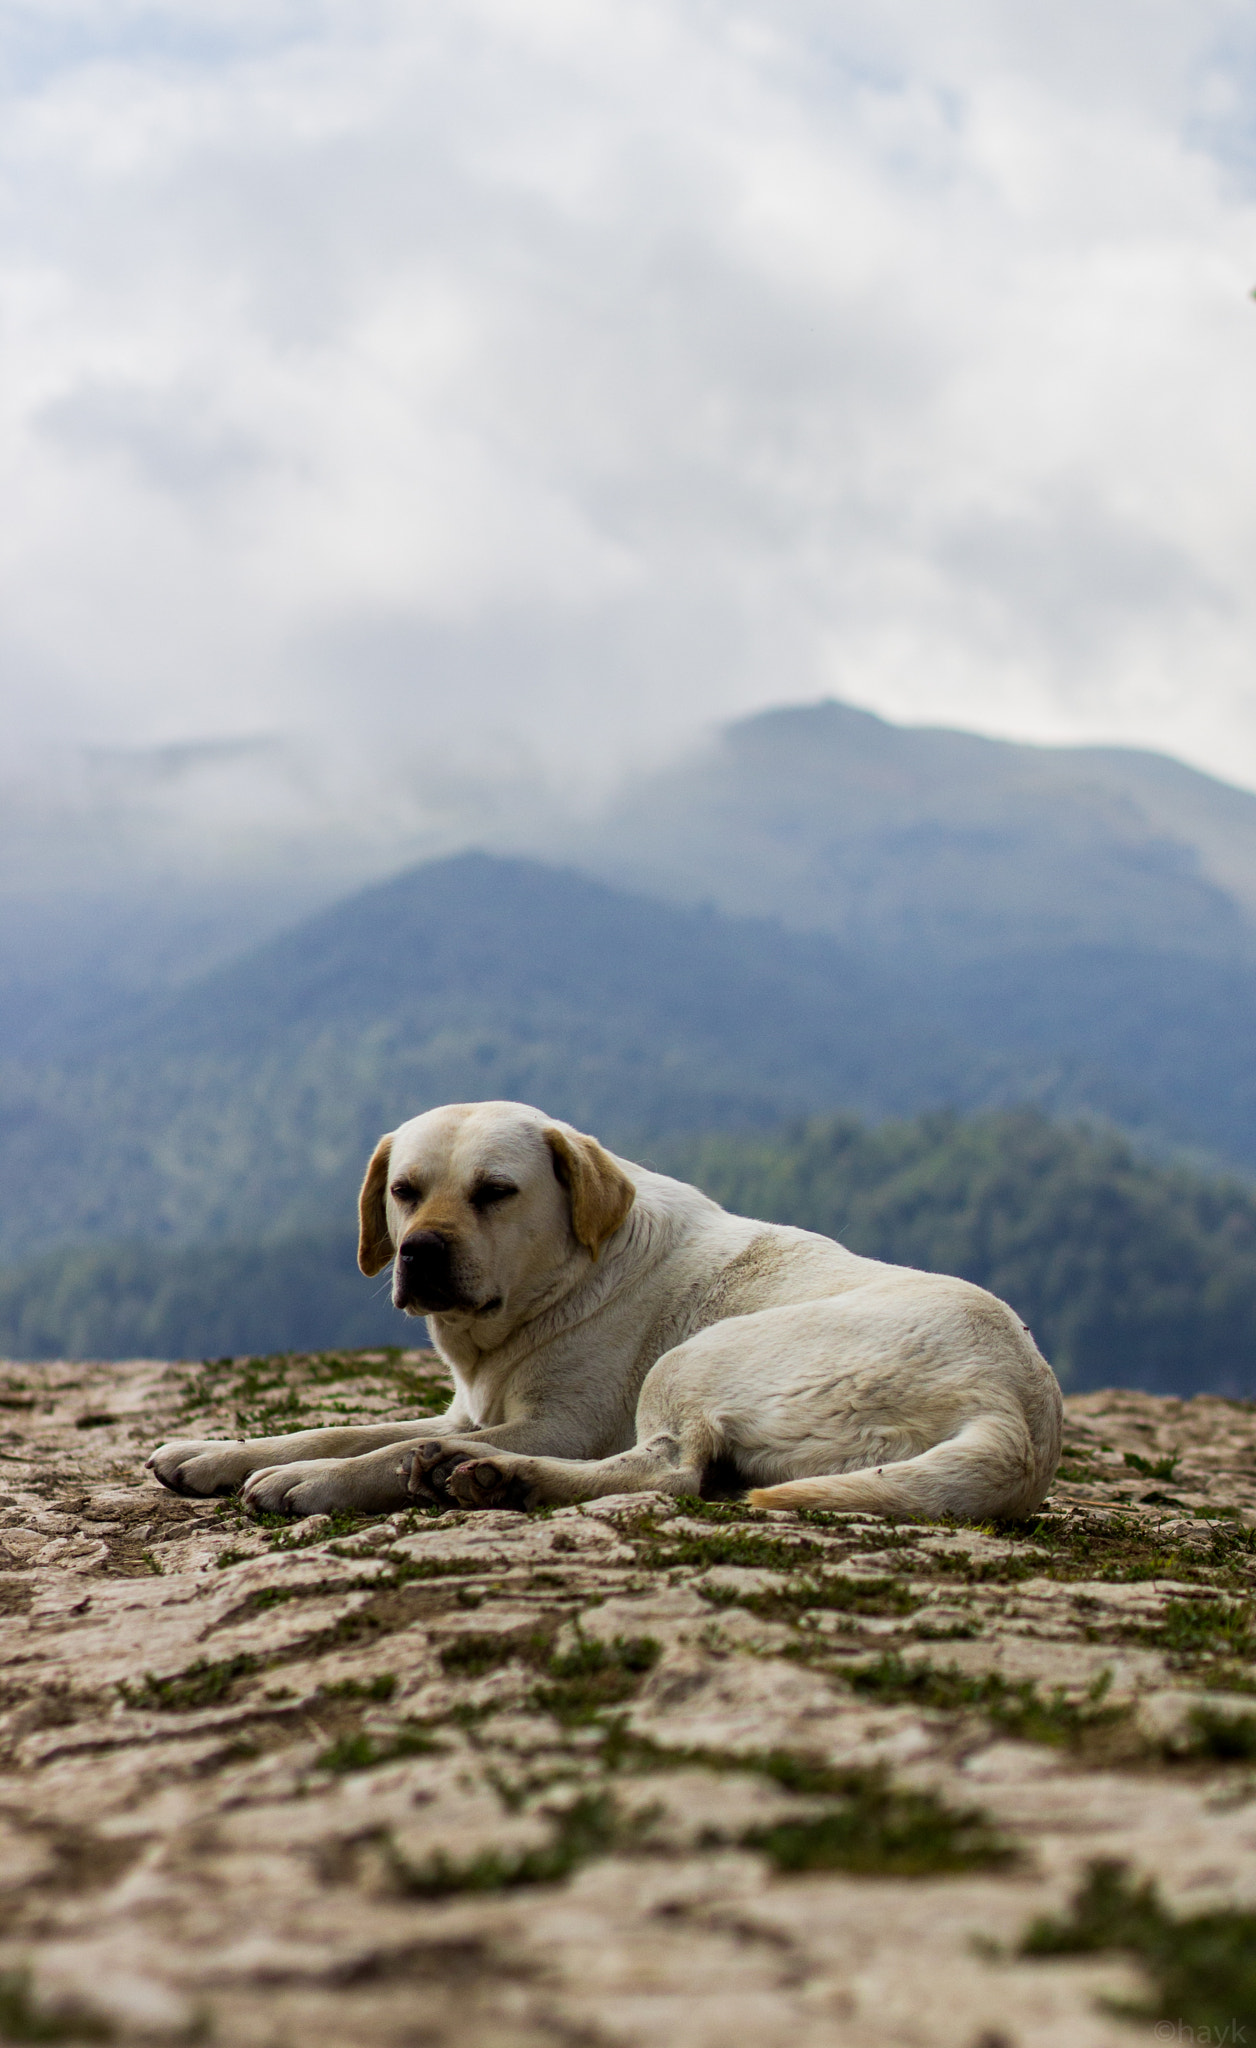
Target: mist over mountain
898	838
133	870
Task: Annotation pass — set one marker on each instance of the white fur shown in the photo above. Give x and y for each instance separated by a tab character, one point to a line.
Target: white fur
830	1380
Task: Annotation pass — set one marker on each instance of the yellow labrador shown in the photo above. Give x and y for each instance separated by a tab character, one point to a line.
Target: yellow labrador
610	1330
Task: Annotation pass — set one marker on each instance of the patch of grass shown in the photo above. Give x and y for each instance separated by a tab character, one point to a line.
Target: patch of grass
889	1534
1224	1738
834	1593
226	1558
470	1656
1192	1632
22	2020
271	1418
593	1825
201	1685
1019	1709
724	1512
665	1552
879	1829
381	1687
1121	1547
869	1825
405	1570
361	1751
339	1524
581	1683
1152	1468
1202	1967
243	1384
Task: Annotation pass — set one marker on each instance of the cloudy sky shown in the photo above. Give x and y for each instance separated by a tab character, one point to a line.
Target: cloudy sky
451	388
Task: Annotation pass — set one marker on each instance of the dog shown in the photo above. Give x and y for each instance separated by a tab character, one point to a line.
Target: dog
610	1330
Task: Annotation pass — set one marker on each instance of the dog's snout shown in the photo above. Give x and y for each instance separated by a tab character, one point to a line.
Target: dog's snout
425	1259
425	1271
424	1247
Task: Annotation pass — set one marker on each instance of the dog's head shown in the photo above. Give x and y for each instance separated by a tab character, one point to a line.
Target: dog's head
482	1206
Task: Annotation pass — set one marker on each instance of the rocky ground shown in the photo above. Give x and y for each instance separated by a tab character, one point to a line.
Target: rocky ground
637	1773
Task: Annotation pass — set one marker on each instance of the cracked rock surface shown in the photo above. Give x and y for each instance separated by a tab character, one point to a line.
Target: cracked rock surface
642	1772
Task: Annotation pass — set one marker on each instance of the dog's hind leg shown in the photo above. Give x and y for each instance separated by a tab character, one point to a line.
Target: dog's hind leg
986	1470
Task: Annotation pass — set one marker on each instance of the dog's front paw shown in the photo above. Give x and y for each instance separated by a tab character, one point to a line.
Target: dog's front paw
200	1465
315	1487
431	1466
488	1483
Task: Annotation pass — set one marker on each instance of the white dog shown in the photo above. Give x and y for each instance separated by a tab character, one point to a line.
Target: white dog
610	1330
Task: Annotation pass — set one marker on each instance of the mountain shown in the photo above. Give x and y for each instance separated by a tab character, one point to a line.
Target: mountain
1084	916
899	837
246	1103
846	915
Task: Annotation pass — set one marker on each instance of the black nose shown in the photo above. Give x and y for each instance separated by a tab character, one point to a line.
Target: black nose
424	1271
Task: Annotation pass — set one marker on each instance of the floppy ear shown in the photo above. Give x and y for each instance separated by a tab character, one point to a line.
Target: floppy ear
375	1247
601	1194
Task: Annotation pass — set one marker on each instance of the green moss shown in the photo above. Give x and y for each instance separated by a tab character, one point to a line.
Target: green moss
593	1825
582	1683
868	1825
718	1511
1119	1546
1202	1967
1152	1468
1225	1738
201	1685
1019	1709
749	1547
381	1687
22	2020
834	1593
1194	1632
265	1394
336	1526
470	1656
361	1751
878	1829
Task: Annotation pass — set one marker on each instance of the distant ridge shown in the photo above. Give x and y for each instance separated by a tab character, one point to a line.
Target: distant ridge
890	836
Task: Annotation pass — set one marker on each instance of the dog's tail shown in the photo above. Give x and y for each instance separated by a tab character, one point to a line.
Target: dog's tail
987	1471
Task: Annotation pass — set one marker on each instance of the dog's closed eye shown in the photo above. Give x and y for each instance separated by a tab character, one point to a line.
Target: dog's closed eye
489	1193
405	1191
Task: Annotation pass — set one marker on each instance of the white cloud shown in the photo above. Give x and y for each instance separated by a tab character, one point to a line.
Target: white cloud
534	380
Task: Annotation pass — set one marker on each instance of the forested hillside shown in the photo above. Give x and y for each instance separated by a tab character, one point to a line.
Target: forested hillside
1128	1273
248	1103
245	1105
